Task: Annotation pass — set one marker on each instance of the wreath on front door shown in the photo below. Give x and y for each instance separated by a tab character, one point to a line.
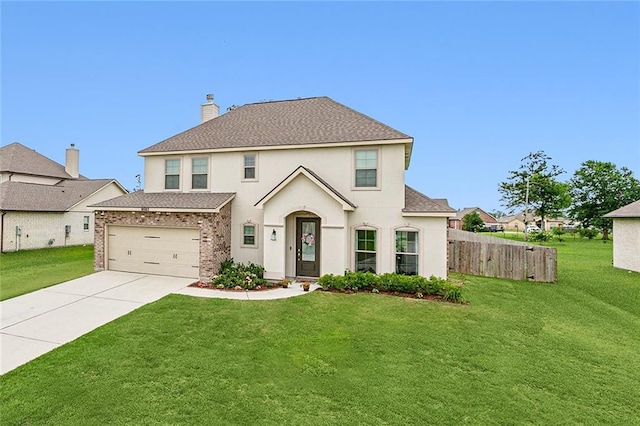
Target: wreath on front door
308	239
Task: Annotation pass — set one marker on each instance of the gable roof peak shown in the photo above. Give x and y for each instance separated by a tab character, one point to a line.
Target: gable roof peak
17	158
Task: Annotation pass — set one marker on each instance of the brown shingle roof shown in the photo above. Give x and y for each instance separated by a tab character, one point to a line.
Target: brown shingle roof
279	123
19	196
416	202
169	200
630	210
17	158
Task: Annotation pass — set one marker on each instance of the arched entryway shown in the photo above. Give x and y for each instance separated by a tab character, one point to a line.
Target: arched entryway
305	242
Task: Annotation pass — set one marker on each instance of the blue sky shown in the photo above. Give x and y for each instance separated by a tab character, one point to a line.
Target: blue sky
479	85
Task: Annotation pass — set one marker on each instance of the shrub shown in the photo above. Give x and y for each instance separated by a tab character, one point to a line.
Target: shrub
472	222
540	236
589	233
234	275
360	281
451	293
330	281
392	283
558	233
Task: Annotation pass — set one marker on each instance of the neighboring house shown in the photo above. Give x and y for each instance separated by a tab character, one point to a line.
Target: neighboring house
303	187
626	236
517	221
44	204
514	221
456	222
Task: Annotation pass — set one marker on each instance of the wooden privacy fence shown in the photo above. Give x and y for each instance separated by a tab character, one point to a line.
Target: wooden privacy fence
475	254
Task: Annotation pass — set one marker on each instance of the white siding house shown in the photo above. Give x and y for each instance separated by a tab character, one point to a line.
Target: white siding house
626	236
45	204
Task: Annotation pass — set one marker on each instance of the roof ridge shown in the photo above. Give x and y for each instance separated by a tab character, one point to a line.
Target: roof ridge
272	101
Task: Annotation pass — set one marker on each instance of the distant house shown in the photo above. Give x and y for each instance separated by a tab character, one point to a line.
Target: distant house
43	203
626	236
456	222
517	221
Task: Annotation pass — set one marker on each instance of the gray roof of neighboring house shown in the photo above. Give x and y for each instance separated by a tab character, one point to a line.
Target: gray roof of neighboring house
518	216
630	210
416	202
169	200
465	211
280	123
17	158
19	196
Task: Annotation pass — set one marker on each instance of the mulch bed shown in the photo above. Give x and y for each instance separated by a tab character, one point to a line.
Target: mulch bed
411	296
211	286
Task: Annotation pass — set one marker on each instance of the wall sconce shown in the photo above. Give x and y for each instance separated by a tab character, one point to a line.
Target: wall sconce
273	235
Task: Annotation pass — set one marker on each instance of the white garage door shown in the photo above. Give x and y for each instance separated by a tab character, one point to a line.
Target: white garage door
159	251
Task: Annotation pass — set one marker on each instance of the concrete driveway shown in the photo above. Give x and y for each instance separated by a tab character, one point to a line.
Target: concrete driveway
38	322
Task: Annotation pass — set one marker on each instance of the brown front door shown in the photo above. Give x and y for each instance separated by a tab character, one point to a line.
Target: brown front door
307	247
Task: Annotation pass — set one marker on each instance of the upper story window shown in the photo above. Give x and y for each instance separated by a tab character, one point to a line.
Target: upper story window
171	174
366	168
407	252
199	169
250	166
366	258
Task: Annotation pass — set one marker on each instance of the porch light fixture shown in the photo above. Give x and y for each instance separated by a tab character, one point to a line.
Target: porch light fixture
273	235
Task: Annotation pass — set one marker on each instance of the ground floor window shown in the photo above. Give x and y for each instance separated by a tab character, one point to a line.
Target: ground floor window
407	252
365	250
85	223
249	234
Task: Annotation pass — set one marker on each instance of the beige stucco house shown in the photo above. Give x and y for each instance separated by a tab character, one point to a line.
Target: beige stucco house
303	187
626	236
45	204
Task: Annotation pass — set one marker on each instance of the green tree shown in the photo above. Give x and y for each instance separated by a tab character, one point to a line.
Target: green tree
535	187
597	188
472	222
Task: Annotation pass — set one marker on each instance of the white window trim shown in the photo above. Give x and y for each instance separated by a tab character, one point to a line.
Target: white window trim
256	156
164	175
394	252
88	223
255	237
353	169
354	243
208	174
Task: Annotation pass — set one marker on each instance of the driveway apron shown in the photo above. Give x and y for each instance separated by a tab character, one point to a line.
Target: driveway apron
35	323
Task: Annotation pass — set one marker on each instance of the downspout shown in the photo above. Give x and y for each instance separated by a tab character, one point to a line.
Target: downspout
2	231
2	223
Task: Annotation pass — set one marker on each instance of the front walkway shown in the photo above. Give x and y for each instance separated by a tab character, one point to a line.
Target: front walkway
38	322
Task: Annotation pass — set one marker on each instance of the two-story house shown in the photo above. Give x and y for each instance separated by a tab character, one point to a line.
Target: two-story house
44	203
303	187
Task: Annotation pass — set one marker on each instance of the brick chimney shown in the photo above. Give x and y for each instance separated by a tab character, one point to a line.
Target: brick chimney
209	110
72	164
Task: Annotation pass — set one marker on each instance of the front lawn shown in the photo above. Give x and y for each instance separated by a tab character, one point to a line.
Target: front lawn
29	270
519	353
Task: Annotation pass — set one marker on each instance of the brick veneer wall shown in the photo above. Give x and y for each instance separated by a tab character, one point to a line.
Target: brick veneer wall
215	233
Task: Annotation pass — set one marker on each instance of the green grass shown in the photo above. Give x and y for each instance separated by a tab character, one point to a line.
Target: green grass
28	270
519	353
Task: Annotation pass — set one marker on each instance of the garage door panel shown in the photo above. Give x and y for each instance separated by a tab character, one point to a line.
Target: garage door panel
162	251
